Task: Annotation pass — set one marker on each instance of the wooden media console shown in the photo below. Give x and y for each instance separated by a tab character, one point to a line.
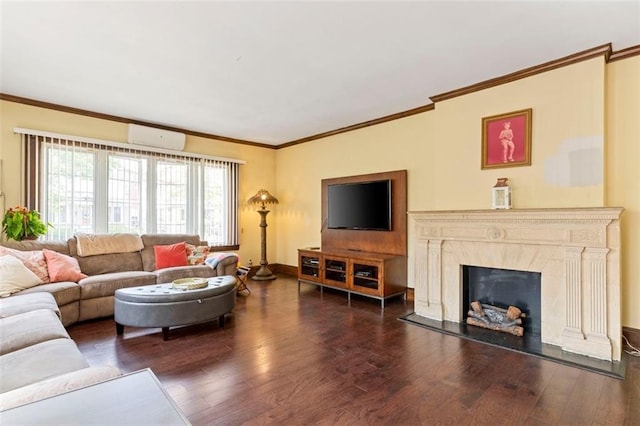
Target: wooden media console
371	263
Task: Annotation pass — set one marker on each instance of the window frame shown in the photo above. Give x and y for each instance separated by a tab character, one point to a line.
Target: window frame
34	179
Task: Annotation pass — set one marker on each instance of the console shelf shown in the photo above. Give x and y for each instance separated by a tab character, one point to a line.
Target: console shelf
376	275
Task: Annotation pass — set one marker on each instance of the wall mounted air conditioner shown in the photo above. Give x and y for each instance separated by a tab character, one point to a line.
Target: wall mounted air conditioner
150	136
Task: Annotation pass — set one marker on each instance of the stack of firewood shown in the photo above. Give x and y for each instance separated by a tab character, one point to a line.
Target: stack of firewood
496	318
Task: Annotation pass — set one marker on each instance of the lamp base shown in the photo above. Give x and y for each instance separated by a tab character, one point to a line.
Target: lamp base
263	274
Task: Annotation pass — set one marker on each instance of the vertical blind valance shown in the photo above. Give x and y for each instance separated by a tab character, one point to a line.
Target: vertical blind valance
104	144
88	185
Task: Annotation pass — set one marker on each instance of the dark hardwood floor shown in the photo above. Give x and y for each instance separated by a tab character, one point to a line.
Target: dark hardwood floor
289	358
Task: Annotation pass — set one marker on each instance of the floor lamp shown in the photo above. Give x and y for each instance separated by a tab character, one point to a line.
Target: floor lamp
262	198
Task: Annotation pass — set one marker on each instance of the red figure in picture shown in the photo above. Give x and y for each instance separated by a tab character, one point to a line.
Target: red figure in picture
506	139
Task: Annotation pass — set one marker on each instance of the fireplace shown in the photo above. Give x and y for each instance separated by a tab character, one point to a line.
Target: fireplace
576	253
504	288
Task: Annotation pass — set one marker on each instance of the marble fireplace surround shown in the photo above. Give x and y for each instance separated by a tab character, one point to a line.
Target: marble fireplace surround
576	250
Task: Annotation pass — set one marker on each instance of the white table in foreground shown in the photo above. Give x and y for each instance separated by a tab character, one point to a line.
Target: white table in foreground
132	399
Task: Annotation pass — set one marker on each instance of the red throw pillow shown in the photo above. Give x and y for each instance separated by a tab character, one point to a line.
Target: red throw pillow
171	255
62	267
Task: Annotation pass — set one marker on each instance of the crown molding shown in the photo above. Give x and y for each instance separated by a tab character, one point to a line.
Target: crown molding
361	125
102	116
605	50
584	55
625	53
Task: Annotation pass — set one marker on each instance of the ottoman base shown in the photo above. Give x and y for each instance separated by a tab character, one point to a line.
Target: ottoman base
165	330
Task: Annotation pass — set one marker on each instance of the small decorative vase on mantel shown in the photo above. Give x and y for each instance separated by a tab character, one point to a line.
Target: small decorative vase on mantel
501	194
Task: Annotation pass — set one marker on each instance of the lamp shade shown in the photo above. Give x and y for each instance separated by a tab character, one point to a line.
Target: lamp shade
262	198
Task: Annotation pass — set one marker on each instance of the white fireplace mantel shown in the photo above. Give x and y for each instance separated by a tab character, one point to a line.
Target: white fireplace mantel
576	250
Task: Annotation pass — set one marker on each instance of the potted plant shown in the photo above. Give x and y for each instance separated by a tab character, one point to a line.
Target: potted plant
20	223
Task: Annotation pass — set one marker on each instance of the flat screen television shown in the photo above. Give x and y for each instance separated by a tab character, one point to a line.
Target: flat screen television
360	205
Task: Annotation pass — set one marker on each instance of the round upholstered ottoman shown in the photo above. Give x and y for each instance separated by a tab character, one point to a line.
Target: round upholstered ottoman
162	305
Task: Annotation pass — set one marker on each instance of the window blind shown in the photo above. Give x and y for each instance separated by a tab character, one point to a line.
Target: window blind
87	185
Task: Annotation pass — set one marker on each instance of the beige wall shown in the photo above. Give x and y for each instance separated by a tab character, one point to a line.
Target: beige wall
441	149
568	112
623	173
573	107
400	144
259	170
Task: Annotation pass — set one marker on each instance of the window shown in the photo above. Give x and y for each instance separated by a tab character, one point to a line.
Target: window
127	182
70	190
172	184
101	187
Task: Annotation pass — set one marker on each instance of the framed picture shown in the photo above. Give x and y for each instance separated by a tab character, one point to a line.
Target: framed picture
506	140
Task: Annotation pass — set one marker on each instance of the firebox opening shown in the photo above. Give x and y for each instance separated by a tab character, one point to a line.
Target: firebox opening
504	288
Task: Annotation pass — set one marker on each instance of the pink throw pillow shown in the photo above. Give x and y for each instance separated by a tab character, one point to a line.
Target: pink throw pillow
33	260
62	267
170	255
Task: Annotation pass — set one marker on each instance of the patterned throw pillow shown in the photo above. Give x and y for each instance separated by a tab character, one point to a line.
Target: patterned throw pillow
33	260
196	255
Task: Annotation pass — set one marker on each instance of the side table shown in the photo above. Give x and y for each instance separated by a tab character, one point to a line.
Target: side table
242	272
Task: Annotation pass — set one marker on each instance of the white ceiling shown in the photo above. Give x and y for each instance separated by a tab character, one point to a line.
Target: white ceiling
273	72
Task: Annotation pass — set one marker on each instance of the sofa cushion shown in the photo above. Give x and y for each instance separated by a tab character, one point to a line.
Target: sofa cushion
33	259
150	240
21	303
170	255
40	361
106	263
64	292
62	267
14	276
57	385
106	284
28	245
29	328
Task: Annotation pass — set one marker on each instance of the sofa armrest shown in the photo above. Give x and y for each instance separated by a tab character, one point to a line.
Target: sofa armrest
227	266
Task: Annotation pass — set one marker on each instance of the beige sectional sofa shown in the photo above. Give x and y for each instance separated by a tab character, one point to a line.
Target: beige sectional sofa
38	359
92	297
